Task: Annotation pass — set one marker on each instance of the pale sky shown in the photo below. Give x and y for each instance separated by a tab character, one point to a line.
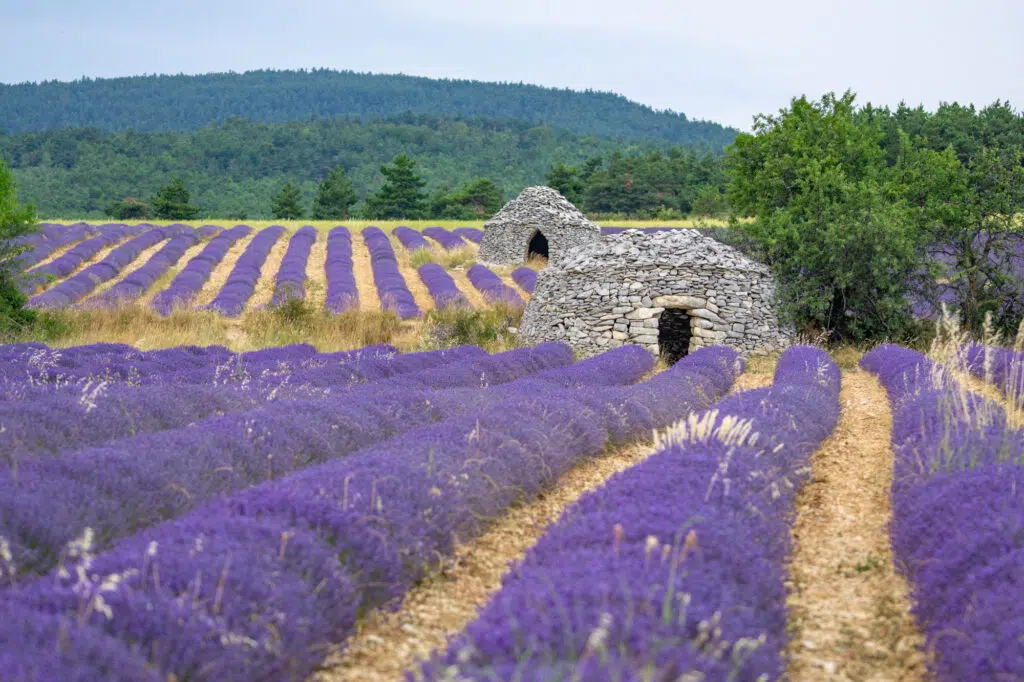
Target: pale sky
723	61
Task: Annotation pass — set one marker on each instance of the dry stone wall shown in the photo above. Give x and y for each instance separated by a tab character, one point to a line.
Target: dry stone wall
614	292
507	235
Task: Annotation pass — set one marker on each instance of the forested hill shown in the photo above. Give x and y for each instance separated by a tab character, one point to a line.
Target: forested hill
233	168
164	103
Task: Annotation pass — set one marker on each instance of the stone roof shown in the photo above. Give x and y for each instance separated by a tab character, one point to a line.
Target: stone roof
634	249
544	207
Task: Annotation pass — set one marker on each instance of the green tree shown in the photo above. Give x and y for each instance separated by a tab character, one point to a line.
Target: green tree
172	202
478	199
401	195
128	208
968	213
827	216
566	179
334	196
16	222
287	204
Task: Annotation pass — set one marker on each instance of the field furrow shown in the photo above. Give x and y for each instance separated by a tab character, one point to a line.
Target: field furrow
95	258
141	259
264	290
849	609
412	279
369	300
316	273
472	294
222	270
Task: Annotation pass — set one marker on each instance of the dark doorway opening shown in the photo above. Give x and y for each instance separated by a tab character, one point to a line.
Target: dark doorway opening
674	335
538	247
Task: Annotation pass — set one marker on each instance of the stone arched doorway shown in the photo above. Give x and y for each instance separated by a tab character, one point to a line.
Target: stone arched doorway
674	334
538	247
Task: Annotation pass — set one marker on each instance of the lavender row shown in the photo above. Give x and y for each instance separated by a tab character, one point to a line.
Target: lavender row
51	237
65	264
958	511
196	272
44	502
136	283
342	292
442	287
241	282
290	282
675	569
1001	367
411	239
299	559
446	239
526	278
394	294
79	286
100	412
470	234
491	286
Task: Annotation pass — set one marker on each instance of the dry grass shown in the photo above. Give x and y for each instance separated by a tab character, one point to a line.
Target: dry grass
535	262
462	257
849	609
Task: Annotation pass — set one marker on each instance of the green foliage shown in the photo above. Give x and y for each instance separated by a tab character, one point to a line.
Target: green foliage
16	222
162	103
172	202
828	218
969	212
566	179
287	204
128	208
334	196
401	195
477	200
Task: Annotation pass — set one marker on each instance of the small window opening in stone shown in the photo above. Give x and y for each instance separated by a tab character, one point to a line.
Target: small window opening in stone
538	247
674	335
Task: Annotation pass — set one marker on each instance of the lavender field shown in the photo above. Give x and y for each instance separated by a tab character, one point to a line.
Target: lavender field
193	513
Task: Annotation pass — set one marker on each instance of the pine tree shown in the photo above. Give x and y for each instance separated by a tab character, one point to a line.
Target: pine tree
286	204
401	195
334	196
171	202
566	179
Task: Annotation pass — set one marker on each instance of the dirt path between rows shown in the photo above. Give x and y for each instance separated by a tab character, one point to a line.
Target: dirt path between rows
264	289
390	643
849	610
220	273
316	272
369	300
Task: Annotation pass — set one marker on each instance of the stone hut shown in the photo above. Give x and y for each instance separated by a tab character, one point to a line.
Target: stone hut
672	292
539	221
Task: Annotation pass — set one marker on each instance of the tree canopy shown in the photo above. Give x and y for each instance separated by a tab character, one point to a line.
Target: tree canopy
401	194
17	221
287	204
334	196
172	202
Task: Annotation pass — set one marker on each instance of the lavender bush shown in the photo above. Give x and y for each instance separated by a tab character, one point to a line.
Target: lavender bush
394	294
448	240
470	234
491	286
293	562
1001	367
958	515
675	568
411	239
342	293
65	264
442	287
238	288
136	283
290	282
50	238
193	276
526	278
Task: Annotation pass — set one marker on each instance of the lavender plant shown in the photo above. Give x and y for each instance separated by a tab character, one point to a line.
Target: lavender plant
470	234
193	276
411	239
136	283
394	294
241	283
342	293
290	282
65	264
526	278
448	240
491	286
958	515
442	287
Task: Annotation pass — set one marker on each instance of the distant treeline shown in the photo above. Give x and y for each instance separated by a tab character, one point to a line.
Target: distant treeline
164	103
237	168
